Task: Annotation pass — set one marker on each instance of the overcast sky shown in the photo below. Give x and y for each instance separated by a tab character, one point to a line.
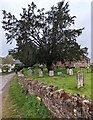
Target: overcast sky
80	8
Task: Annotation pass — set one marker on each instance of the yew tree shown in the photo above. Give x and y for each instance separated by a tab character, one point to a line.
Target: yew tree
43	37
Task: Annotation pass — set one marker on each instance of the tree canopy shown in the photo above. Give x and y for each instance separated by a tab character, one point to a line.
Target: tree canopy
43	37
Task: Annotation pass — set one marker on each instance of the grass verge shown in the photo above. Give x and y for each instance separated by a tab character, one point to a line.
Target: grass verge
26	105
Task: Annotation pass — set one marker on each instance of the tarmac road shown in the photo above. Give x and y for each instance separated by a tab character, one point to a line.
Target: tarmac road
4	80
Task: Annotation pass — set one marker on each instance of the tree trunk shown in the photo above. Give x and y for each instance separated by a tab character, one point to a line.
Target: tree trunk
49	66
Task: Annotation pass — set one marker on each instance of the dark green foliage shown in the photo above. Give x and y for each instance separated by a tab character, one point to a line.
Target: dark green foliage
43	37
18	67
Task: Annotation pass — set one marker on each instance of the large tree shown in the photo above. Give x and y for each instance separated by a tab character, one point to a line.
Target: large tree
26	32
43	37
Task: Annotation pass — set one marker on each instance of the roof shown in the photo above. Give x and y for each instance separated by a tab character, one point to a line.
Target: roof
17	62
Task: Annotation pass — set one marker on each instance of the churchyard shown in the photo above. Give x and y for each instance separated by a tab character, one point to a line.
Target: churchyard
47	37
62	80
60	93
38	95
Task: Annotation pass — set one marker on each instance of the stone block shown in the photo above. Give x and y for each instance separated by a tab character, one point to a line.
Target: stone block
51	73
41	74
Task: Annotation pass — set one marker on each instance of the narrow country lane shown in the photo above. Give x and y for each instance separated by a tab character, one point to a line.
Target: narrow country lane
4	80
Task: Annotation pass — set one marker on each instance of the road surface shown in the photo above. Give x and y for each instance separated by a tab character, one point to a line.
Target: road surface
4	80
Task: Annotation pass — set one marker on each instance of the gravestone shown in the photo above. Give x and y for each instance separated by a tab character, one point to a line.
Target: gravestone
51	73
67	71
40	73
70	71
35	70
59	73
29	72
80	79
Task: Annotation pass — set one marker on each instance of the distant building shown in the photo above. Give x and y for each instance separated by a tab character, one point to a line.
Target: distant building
84	62
16	62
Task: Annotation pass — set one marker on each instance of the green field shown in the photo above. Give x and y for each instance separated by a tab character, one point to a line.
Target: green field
66	82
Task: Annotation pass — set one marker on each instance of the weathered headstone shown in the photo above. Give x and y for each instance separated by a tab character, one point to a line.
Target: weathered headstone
51	73
59	73
29	72
70	71
80	79
41	74
35	70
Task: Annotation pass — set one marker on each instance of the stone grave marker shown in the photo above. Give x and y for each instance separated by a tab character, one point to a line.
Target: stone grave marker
51	73
70	71
40	73
29	72
59	73
80	79
35	70
67	71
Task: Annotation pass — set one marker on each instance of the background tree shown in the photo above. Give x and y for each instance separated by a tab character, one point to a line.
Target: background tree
43	37
7	60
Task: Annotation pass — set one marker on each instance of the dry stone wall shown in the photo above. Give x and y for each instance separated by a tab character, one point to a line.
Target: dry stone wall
59	102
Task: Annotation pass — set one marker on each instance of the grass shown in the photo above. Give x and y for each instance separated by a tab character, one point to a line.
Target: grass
26	105
66	82
9	108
